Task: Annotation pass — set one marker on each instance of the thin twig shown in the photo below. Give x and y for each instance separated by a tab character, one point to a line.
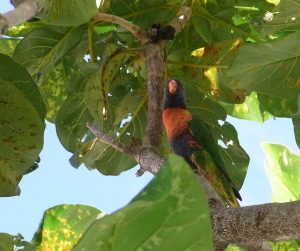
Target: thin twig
112	142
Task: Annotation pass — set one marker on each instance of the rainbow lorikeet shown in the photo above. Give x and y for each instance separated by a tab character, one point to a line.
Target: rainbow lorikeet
191	138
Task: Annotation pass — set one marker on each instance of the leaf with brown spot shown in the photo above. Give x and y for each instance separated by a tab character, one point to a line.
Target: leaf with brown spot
68	13
253	71
21	143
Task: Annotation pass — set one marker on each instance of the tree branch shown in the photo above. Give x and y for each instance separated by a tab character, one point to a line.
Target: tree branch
25	10
155	84
255	224
134	29
112	142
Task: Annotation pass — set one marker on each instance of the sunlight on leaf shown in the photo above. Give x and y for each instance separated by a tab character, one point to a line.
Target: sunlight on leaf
62	226
281	166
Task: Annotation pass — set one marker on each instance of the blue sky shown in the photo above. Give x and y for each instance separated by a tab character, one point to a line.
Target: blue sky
57	182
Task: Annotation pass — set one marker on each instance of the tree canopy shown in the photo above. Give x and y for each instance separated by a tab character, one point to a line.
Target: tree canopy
97	73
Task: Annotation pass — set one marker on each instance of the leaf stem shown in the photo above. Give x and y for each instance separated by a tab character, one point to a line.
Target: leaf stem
112	142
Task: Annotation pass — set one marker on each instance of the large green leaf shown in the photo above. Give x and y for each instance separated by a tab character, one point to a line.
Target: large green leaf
62	226
171	213
43	47
73	114
23	81
206	67
99	85
67	13
21	137
281	166
268	68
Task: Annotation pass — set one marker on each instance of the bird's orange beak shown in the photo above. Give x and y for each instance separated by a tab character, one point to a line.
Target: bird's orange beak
172	86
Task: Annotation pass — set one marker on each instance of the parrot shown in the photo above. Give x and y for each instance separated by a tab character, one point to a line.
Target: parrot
191	138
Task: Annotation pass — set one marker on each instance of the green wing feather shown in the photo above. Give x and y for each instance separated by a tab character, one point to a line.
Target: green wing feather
204	137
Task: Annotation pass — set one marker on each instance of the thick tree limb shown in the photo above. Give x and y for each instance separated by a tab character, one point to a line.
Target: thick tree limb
25	10
257	223
155	84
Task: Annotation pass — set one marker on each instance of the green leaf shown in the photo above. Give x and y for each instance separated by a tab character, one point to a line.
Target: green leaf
83	47
21	137
235	157
172	212
43	47
206	67
296	123
281	166
67	13
126	100
62	226
285	17
7	46
143	13
106	159
54	85
74	114
268	68
98	87
22	81
233	248
203	106
251	109
23	29
285	245
278	107
11	242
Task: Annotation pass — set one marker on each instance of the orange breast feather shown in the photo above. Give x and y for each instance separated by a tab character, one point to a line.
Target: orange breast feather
176	121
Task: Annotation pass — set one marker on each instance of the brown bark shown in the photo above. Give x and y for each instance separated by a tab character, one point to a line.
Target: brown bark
155	84
25	10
